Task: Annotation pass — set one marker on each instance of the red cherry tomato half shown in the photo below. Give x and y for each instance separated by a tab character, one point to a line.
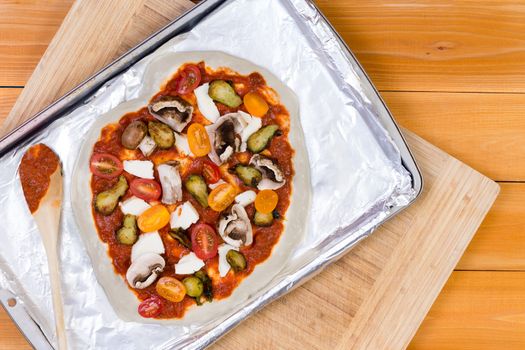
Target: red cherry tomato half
204	241
105	165
150	307
211	172
189	79
148	190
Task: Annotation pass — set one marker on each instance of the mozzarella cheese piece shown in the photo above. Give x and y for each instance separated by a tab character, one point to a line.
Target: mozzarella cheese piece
139	168
224	266
134	206
148	243
188	264
251	125
220	182
206	105
147	145
245	198
181	143
184	216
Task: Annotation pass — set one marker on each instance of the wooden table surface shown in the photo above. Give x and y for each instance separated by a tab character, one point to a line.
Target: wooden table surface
452	72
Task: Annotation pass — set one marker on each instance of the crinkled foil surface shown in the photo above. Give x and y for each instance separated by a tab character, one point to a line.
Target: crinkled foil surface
356	174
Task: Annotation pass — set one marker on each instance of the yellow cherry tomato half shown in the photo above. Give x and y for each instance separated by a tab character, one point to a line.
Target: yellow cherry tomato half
221	197
266	201
154	218
198	140
255	104
171	289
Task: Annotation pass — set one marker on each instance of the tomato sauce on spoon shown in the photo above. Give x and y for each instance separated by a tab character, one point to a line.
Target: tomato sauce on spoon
36	168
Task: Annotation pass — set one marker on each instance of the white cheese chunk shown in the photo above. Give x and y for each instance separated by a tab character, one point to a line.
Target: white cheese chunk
134	206
184	216
224	266
148	243
181	143
147	145
251	125
188	264
206	105
139	168
245	198
220	182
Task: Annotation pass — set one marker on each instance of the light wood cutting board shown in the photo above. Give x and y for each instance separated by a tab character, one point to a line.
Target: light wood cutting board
378	294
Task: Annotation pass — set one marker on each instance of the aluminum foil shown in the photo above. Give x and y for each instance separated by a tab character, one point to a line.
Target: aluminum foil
356	174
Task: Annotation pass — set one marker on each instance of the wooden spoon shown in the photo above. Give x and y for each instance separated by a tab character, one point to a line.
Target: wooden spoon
41	178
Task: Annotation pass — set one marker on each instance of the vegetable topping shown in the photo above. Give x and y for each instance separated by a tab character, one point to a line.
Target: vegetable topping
154	218
145	189
255	104
198	140
105	165
204	241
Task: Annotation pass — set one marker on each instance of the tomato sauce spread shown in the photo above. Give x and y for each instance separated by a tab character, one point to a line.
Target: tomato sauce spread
265	237
36	168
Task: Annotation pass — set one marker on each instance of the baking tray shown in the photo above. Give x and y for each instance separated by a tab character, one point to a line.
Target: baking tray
82	94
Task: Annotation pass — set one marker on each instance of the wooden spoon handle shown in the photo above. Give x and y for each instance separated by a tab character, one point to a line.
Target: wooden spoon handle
54	275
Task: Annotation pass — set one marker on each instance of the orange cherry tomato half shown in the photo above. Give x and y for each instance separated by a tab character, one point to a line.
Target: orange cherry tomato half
221	197
171	289
255	104
153	218
150	307
266	201
198	140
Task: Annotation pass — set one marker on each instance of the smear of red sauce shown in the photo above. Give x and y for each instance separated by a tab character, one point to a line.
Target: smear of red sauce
36	168
265	238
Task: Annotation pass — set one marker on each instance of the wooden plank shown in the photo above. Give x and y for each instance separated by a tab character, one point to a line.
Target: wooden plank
7	100
483	130
390	279
427	45
476	310
459	46
26	28
499	243
10	336
88	51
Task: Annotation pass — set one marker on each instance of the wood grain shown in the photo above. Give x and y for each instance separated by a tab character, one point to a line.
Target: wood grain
483	130
427	45
10	336
418	46
476	310
26	28
8	97
499	243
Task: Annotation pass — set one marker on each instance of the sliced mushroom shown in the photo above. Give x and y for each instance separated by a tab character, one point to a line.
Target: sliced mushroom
171	183
235	228
145	270
229	134
173	111
273	177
